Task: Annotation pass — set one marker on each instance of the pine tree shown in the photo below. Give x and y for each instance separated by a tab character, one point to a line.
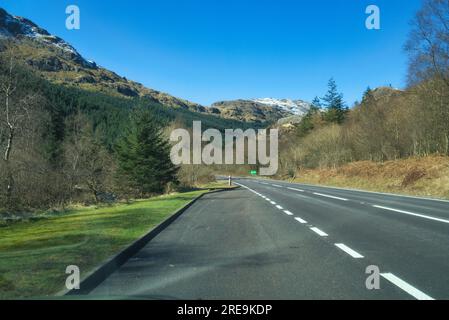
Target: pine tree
368	96
307	122
333	101
316	105
144	155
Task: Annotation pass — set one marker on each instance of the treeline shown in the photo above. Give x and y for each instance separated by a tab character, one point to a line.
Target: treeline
387	124
62	145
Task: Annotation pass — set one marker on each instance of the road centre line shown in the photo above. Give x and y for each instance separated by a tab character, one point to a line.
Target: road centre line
294	189
319	232
412	214
411	290
349	251
301	220
329	196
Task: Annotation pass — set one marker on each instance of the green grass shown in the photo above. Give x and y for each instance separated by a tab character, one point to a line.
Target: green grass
34	255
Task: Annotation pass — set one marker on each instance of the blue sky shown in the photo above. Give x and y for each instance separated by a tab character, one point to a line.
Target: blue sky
210	50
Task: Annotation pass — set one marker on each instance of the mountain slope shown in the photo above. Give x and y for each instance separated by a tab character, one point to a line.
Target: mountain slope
294	107
267	109
59	62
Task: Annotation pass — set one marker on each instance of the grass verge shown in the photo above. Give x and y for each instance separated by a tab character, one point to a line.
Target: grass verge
222	184
35	254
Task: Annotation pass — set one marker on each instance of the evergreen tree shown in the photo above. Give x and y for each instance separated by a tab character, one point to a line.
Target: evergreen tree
316	105
333	101
307	122
368	96
144	154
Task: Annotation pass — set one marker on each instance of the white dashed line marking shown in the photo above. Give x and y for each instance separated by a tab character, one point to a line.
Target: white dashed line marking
349	251
406	287
319	232
300	220
411	290
413	214
276	185
294	189
328	196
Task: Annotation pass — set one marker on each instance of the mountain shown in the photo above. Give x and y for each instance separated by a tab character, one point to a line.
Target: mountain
266	109
294	107
61	63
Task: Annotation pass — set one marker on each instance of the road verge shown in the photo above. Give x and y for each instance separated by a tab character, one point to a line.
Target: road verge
99	274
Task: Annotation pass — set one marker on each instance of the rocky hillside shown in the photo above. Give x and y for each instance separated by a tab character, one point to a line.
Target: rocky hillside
267	109
60	62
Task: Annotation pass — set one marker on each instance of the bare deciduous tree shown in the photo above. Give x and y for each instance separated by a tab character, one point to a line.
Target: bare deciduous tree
88	164
428	44
16	118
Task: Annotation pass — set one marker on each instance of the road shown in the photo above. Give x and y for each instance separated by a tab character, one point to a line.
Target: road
276	240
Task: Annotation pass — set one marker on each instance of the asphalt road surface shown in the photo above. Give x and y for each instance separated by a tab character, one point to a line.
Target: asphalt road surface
276	240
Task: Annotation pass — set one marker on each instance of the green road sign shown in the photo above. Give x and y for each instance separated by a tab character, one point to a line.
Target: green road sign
253	172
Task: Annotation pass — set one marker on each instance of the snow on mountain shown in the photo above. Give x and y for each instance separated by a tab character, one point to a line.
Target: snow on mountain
18	27
295	107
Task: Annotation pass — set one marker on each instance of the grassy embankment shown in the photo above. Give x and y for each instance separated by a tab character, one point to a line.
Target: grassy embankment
427	176
34	254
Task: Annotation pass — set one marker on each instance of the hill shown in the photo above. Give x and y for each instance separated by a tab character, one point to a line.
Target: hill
257	110
61	63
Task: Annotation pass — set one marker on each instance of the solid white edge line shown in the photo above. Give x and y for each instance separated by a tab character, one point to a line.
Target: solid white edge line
329	196
412	214
411	290
372	192
349	251
300	220
321	233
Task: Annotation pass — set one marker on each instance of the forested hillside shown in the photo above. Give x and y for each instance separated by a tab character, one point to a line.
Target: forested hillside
388	124
59	143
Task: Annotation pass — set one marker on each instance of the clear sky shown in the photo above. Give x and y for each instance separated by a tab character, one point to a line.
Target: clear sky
211	50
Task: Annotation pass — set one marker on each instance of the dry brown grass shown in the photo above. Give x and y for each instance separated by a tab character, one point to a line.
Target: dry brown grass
427	176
